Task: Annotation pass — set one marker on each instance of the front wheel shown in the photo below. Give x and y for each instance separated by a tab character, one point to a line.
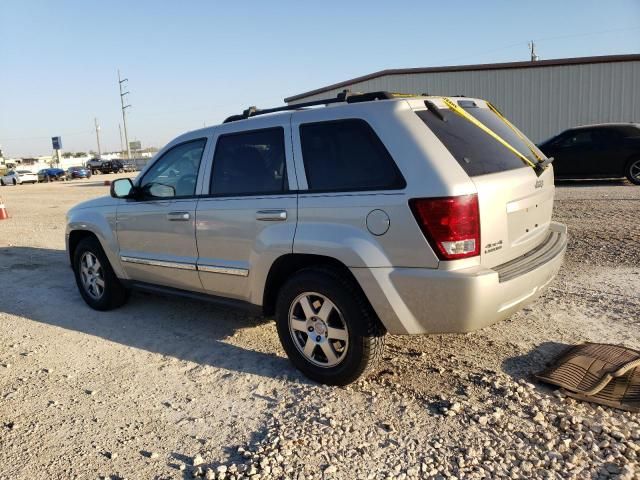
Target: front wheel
15	182
1	183
327	327
633	171
96	280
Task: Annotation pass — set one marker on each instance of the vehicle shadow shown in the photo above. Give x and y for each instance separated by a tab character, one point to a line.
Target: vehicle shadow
37	284
532	362
592	182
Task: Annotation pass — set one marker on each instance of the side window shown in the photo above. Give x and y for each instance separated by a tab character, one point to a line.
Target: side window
606	137
176	172
346	155
580	138
248	163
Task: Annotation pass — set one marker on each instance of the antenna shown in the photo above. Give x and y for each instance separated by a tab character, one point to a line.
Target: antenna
532	50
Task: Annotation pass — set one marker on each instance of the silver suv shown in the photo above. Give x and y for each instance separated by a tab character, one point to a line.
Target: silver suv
365	215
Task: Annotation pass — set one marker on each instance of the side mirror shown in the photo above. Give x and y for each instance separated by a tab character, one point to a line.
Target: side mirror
121	188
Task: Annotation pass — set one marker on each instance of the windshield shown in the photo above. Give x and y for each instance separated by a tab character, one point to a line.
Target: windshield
477	152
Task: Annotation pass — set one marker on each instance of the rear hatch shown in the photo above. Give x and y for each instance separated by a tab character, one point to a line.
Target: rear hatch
515	203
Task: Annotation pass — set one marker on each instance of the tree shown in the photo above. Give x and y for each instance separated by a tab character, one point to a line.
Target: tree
67	155
79	154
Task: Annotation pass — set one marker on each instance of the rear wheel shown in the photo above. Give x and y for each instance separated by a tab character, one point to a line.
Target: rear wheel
97	283
15	182
327	327
633	171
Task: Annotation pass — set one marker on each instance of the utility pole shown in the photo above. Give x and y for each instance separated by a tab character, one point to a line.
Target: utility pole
95	121
120	130
124	107
532	50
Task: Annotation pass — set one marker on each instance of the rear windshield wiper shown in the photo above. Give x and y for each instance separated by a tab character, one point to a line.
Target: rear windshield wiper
434	109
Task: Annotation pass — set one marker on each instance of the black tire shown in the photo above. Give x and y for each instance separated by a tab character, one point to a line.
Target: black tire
1	183
15	182
366	335
114	293
632	171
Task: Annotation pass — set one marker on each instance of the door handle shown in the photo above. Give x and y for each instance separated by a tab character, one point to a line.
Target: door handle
271	215
178	216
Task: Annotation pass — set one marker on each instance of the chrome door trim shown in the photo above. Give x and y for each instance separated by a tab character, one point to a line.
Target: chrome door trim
239	272
159	263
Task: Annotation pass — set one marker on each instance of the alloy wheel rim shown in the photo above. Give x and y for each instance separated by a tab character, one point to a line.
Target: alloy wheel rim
91	274
635	169
318	329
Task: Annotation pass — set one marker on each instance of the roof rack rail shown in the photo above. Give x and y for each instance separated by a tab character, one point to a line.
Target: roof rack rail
344	96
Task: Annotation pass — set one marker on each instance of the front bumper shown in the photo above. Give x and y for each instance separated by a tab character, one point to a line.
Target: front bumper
421	300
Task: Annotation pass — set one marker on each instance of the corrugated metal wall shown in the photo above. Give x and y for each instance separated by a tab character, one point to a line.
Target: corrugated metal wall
541	101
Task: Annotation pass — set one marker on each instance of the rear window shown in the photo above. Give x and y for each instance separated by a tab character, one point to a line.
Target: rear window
631	131
476	151
347	155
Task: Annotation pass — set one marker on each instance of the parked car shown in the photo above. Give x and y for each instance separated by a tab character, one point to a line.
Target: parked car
129	166
17	177
112	166
595	151
95	164
78	172
345	222
51	174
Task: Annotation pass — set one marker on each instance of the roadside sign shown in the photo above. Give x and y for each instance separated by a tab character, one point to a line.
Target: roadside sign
135	145
57	143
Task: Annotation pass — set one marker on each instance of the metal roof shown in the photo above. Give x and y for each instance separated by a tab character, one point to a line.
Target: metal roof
558	62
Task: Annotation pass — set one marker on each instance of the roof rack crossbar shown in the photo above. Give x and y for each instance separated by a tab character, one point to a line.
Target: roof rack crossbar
344	96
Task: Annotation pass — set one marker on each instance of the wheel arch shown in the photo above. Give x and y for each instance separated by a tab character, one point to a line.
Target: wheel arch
287	265
75	237
627	165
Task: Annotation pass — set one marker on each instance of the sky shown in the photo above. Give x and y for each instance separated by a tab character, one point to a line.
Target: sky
193	63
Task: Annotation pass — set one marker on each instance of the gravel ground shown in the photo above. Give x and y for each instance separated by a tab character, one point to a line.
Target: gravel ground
169	388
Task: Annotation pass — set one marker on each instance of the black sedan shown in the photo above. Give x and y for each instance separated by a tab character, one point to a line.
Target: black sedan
607	150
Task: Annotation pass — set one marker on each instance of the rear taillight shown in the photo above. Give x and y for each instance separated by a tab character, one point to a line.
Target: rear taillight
450	224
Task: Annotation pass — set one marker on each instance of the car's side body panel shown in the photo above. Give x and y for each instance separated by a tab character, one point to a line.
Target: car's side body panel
98	217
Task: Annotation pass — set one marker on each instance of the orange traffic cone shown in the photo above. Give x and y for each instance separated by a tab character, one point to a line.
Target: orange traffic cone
3	211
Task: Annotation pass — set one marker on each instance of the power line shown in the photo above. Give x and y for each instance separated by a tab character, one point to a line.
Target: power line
68	134
538	40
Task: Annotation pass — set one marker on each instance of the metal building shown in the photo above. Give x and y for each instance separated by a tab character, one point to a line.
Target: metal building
541	97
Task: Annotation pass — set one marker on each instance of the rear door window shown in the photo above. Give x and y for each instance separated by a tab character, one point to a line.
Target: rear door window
346	155
250	163
477	152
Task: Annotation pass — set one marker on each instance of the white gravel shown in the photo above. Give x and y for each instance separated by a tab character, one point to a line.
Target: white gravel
169	388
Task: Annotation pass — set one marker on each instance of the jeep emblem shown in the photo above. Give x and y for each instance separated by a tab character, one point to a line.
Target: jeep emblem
539	183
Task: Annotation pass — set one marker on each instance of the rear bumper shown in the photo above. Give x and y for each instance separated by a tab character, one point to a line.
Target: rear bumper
421	300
